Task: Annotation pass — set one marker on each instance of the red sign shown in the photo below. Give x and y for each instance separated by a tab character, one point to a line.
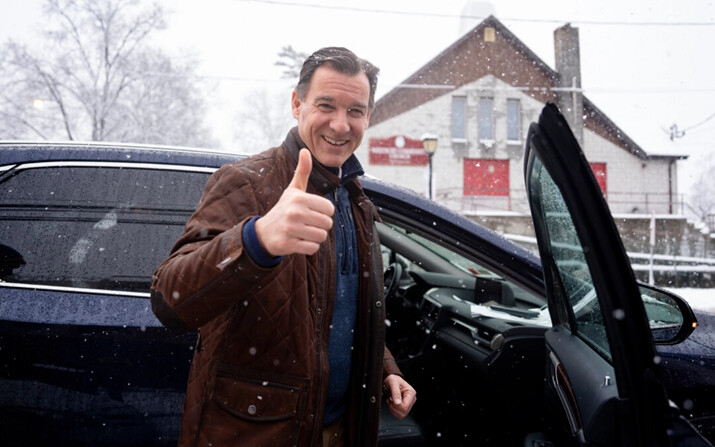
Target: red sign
397	150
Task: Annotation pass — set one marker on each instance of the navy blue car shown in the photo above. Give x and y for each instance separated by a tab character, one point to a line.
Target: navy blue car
503	347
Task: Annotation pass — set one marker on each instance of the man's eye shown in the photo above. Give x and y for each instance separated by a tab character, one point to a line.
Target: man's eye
325	107
357	113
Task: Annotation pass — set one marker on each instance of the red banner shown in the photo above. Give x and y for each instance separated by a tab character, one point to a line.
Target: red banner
397	150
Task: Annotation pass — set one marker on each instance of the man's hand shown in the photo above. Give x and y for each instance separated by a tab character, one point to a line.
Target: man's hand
400	395
299	222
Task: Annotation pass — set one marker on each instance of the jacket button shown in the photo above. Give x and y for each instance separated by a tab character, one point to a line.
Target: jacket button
252	410
378	303
372	399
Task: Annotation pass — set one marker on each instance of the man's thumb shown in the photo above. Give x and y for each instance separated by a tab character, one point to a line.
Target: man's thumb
302	172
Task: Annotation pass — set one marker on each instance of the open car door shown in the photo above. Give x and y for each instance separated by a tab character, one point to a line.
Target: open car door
603	379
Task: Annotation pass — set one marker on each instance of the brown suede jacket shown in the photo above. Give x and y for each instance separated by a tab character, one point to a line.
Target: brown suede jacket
260	370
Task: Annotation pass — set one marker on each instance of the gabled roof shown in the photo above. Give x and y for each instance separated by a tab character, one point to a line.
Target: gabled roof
471	58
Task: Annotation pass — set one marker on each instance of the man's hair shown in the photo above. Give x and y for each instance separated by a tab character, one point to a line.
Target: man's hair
342	60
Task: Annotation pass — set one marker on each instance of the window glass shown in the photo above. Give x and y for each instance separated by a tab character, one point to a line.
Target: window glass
486	119
459	116
568	254
92	227
513	120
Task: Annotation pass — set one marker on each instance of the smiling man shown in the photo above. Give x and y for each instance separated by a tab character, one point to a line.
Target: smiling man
280	270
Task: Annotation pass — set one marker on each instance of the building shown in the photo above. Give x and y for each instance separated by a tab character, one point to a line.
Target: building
478	97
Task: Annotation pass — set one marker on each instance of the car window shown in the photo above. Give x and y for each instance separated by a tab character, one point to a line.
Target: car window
570	260
100	227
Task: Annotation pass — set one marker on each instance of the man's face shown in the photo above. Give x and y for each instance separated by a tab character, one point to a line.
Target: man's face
334	114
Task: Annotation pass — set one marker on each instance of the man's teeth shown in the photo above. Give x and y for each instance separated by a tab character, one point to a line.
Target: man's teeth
335	142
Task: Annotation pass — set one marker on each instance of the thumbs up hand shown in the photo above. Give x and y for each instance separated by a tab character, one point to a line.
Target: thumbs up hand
300	221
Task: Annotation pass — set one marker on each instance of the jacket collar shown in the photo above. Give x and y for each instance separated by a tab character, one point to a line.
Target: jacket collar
321	177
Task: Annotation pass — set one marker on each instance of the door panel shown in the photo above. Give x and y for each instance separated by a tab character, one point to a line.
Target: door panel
585	411
599	323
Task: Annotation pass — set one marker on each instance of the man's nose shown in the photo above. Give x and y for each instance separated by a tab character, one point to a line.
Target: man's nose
339	123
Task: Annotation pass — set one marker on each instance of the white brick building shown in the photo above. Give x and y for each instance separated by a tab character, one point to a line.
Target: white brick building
479	97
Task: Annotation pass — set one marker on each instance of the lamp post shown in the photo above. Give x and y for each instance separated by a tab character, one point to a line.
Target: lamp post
429	143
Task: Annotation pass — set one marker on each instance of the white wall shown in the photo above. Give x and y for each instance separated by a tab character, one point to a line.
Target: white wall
629	178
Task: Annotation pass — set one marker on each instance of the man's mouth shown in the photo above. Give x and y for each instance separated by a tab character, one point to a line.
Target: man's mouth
335	142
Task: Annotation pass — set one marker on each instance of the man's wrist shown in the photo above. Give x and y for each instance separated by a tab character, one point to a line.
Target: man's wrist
254	248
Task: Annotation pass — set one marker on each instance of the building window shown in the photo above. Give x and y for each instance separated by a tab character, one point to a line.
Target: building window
486	177
486	119
513	120
459	118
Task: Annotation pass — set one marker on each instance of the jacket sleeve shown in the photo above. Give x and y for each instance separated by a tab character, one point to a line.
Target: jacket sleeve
208	269
389	365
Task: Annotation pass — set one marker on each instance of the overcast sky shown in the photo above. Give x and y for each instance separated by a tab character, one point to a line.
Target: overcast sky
648	64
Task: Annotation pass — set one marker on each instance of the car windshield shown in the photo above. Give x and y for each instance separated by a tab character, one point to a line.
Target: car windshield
448	254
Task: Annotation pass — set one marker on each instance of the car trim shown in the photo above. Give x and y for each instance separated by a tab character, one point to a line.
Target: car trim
112	164
15	285
113	145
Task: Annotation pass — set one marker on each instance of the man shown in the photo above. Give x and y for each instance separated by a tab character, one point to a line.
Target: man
280	269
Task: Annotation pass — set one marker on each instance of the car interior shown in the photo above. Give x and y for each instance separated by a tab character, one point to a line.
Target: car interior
470	341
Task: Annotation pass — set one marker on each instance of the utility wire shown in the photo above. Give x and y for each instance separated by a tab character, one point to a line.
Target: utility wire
680	133
459	16
700	123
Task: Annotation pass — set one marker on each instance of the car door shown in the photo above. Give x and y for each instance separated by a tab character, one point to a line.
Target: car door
603	381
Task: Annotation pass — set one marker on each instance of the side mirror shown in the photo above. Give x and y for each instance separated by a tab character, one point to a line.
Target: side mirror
670	317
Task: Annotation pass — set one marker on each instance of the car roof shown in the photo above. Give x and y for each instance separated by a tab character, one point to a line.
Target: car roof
23	152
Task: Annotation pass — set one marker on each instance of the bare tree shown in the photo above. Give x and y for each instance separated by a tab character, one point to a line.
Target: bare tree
265	114
291	61
702	193
97	78
264	119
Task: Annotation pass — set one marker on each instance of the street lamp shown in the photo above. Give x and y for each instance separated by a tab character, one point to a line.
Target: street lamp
429	143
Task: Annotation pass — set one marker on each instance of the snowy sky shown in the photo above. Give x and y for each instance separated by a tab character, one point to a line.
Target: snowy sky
648	64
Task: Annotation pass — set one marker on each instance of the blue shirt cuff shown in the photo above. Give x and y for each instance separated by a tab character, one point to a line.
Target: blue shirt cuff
253	246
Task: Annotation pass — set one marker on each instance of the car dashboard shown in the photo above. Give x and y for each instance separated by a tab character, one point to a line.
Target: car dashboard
463	349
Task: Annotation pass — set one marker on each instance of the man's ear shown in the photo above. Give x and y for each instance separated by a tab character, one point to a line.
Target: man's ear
295	103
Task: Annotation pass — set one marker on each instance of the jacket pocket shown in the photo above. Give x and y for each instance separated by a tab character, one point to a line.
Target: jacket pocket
245	408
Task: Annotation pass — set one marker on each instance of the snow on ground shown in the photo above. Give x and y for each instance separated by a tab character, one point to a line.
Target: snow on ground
700	299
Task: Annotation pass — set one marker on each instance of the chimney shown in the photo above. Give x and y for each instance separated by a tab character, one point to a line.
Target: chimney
568	65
